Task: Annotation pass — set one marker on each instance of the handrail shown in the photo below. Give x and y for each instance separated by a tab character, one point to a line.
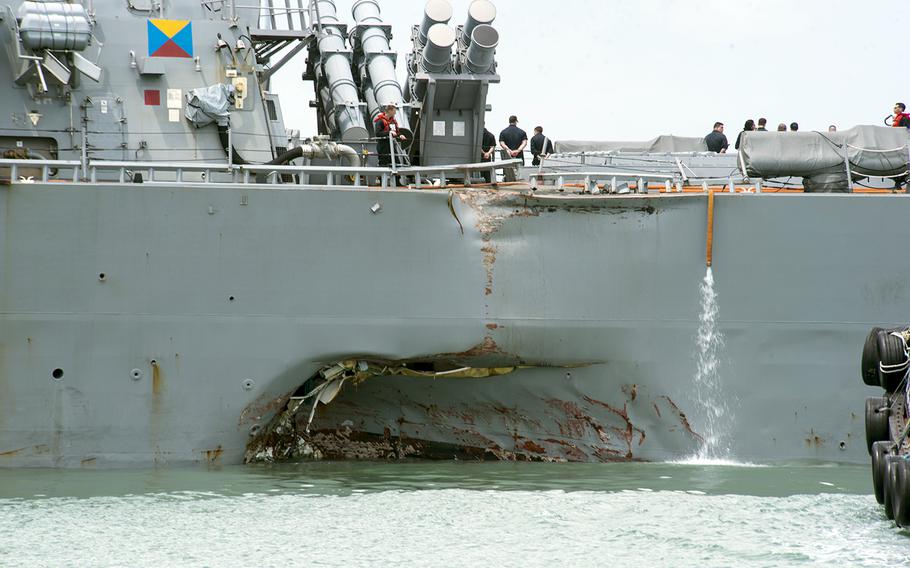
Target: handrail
603	174
30	162
245	174
46	166
272	171
460	168
592	177
193	166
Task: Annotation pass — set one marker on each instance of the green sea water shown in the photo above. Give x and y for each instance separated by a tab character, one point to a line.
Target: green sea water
449	514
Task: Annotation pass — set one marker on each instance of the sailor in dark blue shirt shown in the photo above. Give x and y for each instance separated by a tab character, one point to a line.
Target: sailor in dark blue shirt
487	149
513	141
541	146
716	141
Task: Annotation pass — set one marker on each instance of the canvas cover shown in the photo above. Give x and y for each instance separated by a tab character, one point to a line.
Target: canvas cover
874	151
206	105
661	144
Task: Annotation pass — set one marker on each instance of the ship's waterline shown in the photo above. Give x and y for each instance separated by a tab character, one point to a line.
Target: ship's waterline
352	514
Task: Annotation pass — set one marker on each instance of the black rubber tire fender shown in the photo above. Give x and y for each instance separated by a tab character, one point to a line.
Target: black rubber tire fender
877	427
889	486
901	492
869	366
879	453
890	352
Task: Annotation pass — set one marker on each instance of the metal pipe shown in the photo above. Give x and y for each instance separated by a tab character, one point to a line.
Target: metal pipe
481	55
709	239
344	101
349	154
480	12
383	88
330	151
435	12
437	53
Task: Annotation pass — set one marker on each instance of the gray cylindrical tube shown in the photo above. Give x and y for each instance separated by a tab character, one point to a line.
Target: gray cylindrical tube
382	88
481	54
369	95
435	12
344	100
437	53
480	12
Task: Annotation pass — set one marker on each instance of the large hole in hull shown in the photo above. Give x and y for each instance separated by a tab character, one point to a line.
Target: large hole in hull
288	436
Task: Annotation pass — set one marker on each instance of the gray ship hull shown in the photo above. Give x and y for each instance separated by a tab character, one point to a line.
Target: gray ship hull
218	301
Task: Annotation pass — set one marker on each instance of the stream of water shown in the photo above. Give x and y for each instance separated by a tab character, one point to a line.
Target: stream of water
714	406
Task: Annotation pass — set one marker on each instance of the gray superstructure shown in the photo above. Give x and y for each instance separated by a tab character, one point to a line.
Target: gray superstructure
162	303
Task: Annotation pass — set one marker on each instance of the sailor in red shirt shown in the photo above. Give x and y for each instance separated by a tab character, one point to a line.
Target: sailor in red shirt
384	124
901	118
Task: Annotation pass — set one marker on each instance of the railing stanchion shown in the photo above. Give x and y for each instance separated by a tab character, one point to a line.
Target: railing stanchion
83	151
847	164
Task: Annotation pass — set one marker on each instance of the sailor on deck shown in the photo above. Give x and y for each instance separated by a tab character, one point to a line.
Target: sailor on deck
716	141
487	149
384	125
901	118
513	141
541	146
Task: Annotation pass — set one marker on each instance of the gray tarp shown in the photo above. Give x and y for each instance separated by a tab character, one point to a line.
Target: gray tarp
661	144
874	151
209	104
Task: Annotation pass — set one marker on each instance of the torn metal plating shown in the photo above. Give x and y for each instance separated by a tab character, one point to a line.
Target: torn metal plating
280	440
550	429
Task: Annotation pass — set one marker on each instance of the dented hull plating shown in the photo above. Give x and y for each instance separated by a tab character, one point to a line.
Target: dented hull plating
155	324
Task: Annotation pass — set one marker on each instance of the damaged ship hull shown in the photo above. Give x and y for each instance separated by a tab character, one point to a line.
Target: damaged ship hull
158	323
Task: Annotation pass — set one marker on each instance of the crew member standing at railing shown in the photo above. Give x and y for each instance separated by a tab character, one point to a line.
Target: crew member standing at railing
384	125
513	141
487	149
541	146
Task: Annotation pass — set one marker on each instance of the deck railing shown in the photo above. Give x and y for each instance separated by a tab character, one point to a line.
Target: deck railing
22	171
123	172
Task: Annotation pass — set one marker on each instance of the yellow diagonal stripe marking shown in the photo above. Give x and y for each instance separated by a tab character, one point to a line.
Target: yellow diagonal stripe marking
170	27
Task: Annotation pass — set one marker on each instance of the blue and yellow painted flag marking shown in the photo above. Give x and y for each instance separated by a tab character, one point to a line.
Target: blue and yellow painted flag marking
170	38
